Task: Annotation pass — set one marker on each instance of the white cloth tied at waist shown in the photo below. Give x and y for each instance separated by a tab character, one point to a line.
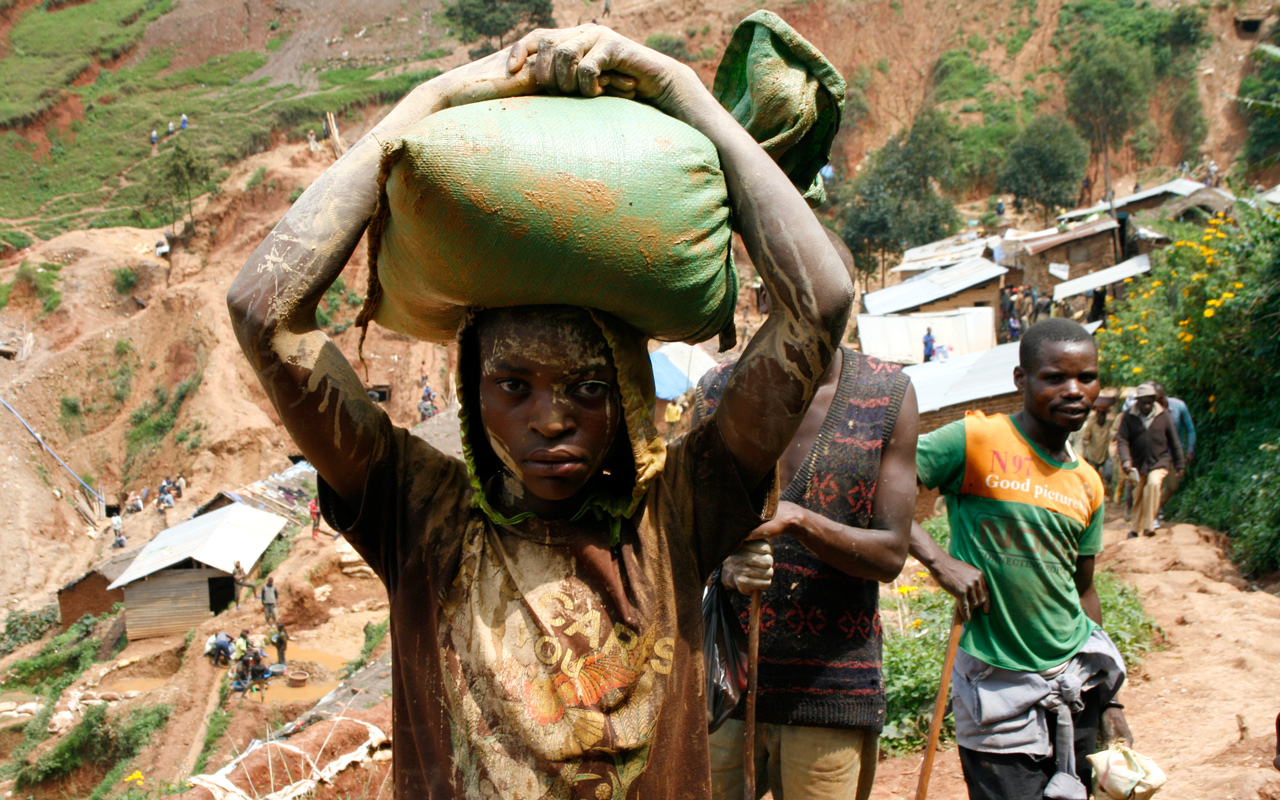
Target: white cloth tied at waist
1004	711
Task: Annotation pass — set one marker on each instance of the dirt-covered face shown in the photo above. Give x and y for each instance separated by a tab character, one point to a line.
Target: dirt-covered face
549	403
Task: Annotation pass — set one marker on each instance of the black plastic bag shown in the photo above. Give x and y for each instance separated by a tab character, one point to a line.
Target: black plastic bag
724	653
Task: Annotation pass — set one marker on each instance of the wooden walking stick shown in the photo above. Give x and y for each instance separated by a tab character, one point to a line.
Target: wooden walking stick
939	706
749	739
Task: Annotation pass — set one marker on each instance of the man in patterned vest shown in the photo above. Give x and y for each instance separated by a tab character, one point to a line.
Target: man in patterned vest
1035	676
841	528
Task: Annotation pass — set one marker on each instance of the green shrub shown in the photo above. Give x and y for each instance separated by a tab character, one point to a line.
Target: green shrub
277	551
295	194
674	46
24	627
97	741
125	278
255	180
912	664
374	633
955	76
17	239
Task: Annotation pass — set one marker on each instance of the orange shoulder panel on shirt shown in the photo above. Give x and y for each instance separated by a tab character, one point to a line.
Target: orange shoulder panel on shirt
1001	465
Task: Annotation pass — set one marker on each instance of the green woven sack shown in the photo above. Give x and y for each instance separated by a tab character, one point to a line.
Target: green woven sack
604	203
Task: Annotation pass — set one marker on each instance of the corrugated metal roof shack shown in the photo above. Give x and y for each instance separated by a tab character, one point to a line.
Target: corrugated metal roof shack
183	576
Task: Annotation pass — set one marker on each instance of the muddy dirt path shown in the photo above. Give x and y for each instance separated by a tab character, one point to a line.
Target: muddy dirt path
1205	706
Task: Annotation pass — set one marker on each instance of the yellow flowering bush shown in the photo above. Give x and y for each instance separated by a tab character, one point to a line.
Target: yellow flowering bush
1205	322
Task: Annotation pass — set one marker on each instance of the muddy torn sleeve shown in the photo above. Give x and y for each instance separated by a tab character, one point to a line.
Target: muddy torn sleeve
414	505
715	509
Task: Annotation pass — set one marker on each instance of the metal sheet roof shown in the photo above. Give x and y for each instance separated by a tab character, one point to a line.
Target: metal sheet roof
963	379
899	337
1103	277
942	253
1040	244
220	539
933	285
1179	186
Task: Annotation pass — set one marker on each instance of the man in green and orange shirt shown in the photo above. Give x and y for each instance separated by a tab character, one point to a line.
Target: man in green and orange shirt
1026	524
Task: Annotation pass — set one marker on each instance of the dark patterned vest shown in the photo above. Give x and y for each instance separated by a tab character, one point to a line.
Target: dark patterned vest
820	636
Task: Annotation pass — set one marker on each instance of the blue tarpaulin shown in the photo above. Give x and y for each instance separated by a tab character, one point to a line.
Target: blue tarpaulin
668	381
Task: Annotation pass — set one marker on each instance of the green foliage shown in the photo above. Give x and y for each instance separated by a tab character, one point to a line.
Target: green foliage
1046	163
939	528
65	656
1107	89
1188	124
216	728
185	173
24	627
674	46
255	180
16	239
892	204
1202	322
1172	35
124	279
374	633
1260	93
50	50
912	664
882	64
494	19
40	280
96	740
1144	142
153	420
955	76
71	415
295	194
276	552
1124	619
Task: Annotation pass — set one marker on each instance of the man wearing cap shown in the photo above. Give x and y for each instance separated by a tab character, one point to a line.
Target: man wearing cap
1149	448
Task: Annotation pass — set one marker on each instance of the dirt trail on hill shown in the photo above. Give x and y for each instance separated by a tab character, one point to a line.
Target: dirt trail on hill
1204	707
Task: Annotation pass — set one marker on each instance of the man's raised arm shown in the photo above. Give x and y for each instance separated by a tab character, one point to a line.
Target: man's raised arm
273	300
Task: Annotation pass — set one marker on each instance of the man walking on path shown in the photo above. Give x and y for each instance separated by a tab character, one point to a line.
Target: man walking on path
1035	670
1186	428
1095	439
269	598
1149	449
841	528
281	640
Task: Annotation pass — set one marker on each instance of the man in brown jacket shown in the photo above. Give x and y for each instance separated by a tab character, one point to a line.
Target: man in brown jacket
1149	448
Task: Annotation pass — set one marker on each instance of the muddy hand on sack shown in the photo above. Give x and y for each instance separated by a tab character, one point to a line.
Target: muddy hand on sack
592	60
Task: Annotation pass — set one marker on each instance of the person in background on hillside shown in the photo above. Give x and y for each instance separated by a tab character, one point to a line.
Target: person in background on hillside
1149	448
840	531
928	344
545	592
314	509
281	640
180	485
1035	669
170	128
240	647
1000	209
183	122
269	599
117	530
239	579
312	144
155	136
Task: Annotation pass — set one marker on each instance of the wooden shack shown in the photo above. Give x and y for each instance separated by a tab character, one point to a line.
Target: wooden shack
975	282
183	576
1086	248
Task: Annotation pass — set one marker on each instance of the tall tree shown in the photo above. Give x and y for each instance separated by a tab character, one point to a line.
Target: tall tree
895	202
1045	164
185	173
494	19
1107	91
